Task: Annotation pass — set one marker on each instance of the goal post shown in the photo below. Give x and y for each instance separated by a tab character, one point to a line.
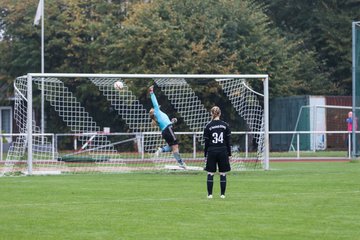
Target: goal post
355	84
111	151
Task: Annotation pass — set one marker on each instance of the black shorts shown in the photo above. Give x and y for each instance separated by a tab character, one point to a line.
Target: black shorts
169	136
218	158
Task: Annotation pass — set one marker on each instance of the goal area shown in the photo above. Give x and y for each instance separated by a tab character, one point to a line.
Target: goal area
321	127
74	123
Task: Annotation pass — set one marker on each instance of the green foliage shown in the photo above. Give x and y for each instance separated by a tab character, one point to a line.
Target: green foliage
322	26
188	36
163	36
212	37
76	33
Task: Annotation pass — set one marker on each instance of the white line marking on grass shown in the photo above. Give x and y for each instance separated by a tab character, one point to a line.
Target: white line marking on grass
255	194
92	202
234	196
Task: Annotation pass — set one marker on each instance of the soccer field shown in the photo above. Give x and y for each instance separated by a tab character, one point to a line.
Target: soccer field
302	200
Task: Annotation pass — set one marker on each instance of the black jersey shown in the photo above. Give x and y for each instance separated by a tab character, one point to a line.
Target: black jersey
217	137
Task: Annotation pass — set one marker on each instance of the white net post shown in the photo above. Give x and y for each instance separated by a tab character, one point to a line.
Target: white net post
29	126
266	124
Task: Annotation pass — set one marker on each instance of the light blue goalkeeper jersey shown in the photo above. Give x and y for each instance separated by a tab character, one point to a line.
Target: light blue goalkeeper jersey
162	119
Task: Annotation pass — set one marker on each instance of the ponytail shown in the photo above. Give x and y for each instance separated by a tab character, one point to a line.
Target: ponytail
153	118
215	112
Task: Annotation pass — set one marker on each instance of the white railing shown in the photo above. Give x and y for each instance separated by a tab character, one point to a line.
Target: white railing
295	148
297	134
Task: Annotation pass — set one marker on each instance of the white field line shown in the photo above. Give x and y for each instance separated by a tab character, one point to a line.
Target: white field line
234	196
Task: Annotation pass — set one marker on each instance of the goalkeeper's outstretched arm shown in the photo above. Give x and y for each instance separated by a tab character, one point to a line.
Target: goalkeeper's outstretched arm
153	98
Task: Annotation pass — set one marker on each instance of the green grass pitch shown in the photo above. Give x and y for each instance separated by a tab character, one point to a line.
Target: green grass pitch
301	200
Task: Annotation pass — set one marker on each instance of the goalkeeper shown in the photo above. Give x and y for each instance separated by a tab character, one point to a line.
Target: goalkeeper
162	120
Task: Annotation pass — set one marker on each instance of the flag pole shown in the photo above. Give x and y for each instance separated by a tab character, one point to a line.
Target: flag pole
39	16
42	68
42	37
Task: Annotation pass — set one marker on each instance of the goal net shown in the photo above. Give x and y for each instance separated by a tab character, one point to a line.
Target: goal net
81	123
321	127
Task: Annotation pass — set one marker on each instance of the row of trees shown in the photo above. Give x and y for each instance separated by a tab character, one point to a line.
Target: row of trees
304	45
325	28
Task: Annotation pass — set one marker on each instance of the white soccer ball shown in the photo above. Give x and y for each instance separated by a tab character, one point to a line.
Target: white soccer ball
118	85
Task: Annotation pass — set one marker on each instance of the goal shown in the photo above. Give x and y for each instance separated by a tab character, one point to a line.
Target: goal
80	123
321	127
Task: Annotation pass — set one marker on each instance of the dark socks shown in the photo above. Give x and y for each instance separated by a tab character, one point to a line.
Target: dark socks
210	183
223	184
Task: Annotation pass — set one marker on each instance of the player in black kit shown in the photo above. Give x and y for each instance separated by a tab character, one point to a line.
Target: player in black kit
217	150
